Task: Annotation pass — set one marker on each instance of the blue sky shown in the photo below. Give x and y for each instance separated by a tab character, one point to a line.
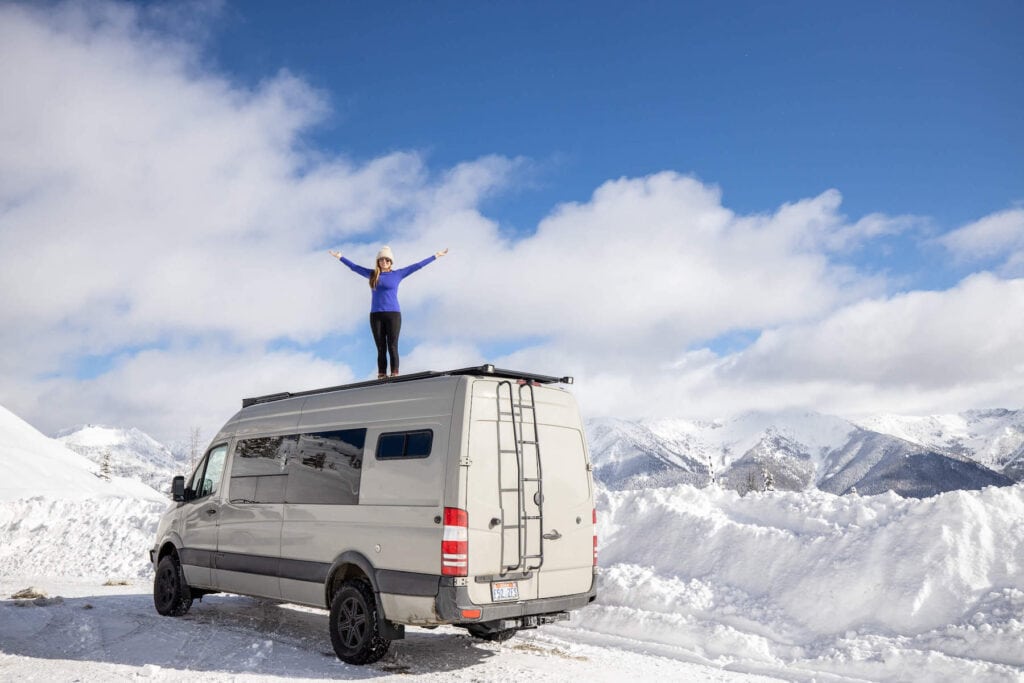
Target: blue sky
909	108
717	206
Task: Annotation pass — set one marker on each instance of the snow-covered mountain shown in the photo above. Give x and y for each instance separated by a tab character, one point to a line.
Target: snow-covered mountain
58	516
127	453
797	451
993	438
630	455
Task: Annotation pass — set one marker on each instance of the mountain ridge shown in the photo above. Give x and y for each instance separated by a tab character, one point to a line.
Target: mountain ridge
798	450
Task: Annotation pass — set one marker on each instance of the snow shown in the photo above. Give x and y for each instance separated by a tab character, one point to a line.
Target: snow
99	633
803	450
991	437
695	584
817	582
126	453
35	465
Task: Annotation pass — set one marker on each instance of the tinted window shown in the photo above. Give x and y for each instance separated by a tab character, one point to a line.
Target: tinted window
326	467
258	469
206	479
404	445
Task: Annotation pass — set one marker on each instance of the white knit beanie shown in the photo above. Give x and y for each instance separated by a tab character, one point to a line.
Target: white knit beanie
385	252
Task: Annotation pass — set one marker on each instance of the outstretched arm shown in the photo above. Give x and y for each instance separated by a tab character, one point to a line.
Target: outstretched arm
409	270
365	272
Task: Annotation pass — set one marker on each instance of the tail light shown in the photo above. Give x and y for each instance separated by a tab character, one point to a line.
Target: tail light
595	537
455	543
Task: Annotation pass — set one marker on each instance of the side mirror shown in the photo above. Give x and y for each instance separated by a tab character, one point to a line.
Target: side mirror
178	489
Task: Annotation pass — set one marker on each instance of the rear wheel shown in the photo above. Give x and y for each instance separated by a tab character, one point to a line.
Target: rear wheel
484	632
171	594
355	624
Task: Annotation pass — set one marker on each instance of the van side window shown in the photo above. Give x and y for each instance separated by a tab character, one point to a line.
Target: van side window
326	468
258	469
397	445
206	479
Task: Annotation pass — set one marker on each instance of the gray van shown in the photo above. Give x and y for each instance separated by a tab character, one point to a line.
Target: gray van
461	497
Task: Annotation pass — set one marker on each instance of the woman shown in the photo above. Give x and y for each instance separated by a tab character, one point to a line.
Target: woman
385	315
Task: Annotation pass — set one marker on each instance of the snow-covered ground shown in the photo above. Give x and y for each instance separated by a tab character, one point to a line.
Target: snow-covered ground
695	584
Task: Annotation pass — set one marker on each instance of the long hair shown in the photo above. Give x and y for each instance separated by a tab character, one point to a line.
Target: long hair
375	277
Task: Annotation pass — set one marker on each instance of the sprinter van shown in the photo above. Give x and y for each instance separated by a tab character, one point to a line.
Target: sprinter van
462	497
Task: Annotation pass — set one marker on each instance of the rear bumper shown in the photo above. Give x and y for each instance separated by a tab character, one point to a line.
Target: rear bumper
452	600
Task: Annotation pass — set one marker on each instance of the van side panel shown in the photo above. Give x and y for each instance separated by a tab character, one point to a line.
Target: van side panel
395	538
248	548
395	523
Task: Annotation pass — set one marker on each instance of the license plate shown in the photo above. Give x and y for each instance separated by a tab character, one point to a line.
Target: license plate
504	590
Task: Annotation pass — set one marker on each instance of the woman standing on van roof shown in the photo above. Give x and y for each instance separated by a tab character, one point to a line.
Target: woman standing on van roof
385	314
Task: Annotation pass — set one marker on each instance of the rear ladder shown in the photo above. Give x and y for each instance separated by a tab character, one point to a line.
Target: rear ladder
522	455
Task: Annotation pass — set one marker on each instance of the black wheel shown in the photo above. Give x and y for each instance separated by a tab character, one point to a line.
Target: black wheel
484	632
355	624
171	595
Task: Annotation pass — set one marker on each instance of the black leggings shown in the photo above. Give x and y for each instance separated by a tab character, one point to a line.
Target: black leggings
386	327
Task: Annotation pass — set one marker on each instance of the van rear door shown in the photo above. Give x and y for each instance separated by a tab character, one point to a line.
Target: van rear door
568	538
529	494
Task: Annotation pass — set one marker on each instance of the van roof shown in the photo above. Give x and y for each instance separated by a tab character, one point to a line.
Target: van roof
480	370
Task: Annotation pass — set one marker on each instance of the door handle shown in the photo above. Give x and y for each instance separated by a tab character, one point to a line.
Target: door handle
553	536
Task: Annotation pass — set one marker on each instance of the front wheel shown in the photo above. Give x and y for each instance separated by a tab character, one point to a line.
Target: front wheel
355	624
171	594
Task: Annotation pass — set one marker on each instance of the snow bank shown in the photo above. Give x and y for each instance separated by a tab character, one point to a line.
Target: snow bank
100	538
58	518
35	465
811	580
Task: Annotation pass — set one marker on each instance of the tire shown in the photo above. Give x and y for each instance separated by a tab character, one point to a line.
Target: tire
482	632
355	624
171	594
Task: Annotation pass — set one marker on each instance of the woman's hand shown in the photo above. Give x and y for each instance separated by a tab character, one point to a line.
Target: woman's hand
441	253
337	254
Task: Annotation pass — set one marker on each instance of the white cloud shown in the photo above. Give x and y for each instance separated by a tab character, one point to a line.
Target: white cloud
167	392
147	203
653	262
998	236
918	352
971	332
141	198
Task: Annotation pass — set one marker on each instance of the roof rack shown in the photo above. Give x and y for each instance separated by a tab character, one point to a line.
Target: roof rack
488	370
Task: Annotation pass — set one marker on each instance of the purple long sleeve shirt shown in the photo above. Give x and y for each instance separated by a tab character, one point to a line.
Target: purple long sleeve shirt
385	296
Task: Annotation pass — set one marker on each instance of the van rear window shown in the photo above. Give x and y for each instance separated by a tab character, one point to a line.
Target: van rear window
398	445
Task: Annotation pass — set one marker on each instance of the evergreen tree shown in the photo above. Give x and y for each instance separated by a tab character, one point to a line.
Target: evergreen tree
751	483
105	465
194	443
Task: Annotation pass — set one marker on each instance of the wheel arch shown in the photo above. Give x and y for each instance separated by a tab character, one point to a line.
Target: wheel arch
350	565
170	545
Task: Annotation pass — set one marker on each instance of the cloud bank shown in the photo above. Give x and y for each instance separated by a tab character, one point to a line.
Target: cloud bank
163	236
